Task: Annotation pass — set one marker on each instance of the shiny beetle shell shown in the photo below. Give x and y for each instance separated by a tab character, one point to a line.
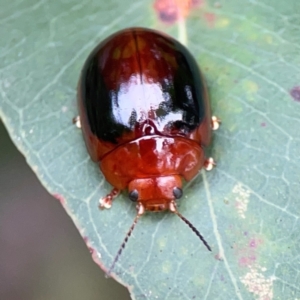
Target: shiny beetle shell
145	114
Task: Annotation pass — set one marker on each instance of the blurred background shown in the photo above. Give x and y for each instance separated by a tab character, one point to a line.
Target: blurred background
42	256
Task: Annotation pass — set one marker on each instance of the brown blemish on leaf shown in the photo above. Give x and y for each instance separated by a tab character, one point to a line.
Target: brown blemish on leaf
170	11
247	255
210	19
218	257
60	198
254	243
295	93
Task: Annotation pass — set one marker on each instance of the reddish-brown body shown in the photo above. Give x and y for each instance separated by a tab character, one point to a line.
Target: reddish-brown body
145	114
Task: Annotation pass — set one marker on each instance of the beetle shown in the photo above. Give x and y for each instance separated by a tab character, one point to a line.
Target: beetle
145	116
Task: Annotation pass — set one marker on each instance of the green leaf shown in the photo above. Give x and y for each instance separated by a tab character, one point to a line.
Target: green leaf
247	208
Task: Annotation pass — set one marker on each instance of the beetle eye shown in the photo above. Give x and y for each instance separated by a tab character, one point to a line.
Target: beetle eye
177	192
134	195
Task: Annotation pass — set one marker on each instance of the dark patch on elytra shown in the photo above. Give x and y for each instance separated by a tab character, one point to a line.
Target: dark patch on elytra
295	93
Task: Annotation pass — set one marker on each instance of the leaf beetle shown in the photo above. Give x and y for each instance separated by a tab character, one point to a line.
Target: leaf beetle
145	116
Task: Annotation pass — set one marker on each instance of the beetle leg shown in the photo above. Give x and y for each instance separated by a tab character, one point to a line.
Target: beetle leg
215	121
106	202
172	206
77	122
140	209
209	164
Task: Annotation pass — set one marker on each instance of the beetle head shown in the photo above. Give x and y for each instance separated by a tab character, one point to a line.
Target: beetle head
156	193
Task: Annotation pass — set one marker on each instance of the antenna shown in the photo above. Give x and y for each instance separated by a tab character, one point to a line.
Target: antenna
194	229
140	212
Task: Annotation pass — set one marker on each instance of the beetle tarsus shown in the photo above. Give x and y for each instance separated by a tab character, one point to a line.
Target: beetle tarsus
172	207
215	122
106	202
209	164
140	209
77	122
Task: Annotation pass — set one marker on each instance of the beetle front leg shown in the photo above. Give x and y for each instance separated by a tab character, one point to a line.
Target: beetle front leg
209	164
77	122
215	122
106	202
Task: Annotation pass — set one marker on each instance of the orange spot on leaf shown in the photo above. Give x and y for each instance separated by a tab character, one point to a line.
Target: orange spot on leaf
170	11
